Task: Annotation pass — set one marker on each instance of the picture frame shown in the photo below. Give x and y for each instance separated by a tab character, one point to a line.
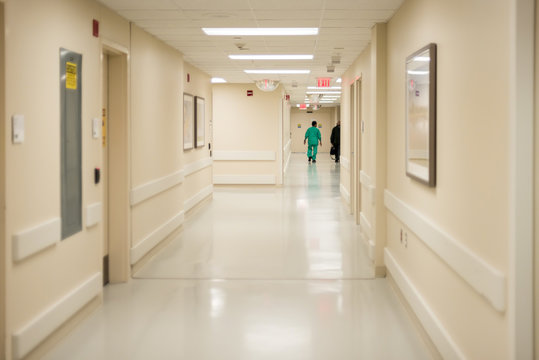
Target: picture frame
188	121
420	101
200	121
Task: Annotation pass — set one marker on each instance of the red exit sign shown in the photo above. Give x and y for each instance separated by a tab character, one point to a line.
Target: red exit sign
324	82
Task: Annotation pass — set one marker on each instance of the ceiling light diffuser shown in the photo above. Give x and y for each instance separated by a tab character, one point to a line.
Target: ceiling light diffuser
277	71
322	92
324	88
259	31
217	80
339	80
271	57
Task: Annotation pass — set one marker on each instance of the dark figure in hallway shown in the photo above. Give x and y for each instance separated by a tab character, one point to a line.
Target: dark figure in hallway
313	135
336	140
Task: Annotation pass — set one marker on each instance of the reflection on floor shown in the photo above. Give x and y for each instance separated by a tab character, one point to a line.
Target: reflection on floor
298	231
284	253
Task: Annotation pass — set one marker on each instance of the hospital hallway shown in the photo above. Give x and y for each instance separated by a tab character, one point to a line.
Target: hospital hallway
258	272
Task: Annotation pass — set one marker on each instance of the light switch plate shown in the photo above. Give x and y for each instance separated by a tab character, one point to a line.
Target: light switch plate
17	129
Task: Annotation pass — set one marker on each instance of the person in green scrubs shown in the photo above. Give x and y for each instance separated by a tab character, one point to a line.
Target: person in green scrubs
313	135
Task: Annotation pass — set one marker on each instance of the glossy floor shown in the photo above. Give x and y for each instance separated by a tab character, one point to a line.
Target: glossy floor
311	305
299	231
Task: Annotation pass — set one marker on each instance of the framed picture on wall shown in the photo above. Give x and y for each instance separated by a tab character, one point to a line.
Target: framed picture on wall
200	121
421	115
188	121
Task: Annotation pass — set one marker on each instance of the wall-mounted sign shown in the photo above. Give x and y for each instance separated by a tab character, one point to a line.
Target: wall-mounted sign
299	126
303	106
249	92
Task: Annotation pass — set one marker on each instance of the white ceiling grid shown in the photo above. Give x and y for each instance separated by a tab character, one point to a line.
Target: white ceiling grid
345	28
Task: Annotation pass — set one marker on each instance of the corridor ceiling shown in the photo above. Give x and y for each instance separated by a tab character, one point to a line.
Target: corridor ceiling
344	31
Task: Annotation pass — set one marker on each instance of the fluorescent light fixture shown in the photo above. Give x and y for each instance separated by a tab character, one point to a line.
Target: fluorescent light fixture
277	71
417	72
217	80
322	92
338	81
422	58
259	31
271	57
324	88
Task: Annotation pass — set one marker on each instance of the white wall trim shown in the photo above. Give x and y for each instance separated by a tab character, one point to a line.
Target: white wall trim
367	182
33	333
521	178
37	238
155	237
432	325
345	194
198	197
244	179
484	278
197	166
152	188
345	162
94	213
244	155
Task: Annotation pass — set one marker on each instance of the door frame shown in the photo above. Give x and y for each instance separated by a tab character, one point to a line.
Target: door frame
351	155
3	130
119	153
521	179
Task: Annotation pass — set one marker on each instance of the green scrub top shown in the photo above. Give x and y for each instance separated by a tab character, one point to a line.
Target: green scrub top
313	134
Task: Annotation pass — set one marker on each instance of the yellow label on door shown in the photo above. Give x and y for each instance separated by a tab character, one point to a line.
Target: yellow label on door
71	76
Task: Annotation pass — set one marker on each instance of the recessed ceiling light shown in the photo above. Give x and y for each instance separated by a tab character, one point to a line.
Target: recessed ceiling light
271	57
324	88
277	71
323	92
417	72
259	31
217	80
339	80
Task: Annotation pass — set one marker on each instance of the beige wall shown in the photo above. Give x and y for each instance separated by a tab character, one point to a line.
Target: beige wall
32	180
157	150
470	201
536	207
3	124
323	117
247	123
199	85
33	168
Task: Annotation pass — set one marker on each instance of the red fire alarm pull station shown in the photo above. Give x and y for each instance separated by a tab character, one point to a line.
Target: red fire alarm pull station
249	92
95	28
188	77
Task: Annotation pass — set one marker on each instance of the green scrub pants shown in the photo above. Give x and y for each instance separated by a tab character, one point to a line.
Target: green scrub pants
313	150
